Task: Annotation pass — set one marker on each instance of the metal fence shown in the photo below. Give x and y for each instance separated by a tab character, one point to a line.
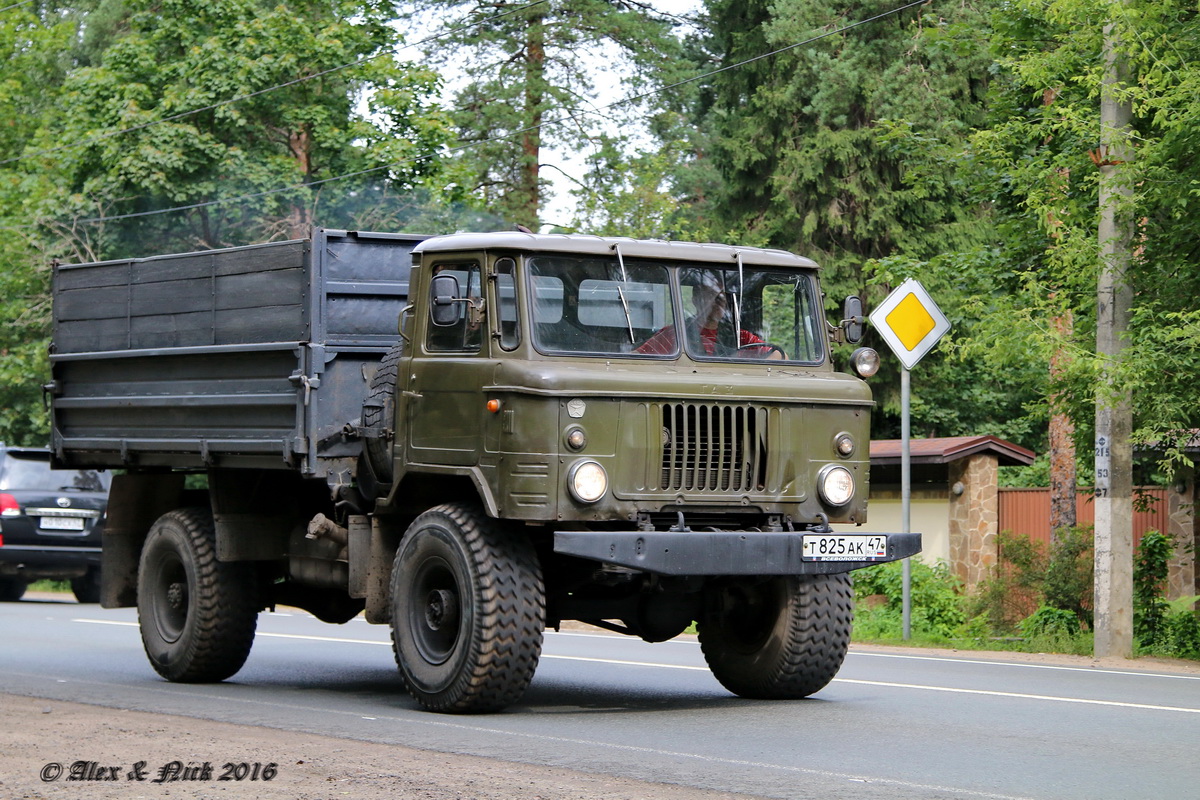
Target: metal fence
1027	511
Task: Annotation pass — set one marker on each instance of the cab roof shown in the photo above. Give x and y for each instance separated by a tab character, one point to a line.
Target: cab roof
583	244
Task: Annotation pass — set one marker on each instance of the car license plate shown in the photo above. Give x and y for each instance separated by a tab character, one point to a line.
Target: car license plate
843	547
62	523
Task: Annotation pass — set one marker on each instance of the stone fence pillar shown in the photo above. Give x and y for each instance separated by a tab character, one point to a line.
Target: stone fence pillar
974	516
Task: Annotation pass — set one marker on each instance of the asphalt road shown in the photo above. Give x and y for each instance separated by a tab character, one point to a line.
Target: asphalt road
890	726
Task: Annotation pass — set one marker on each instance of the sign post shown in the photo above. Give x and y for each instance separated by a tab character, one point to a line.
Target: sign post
911	324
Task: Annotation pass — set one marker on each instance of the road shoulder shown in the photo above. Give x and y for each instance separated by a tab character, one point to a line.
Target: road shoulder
36	734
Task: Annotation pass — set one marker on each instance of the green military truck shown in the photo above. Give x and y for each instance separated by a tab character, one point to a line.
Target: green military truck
470	438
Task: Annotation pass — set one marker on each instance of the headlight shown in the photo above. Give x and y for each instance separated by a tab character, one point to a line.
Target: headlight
588	481
865	362
835	484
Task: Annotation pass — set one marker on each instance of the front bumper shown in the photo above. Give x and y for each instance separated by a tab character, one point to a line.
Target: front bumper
718	552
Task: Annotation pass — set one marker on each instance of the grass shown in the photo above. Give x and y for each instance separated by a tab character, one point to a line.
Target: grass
50	586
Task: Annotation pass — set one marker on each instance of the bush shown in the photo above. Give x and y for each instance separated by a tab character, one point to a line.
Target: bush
1150	570
1030	576
1169	629
1050	621
937	609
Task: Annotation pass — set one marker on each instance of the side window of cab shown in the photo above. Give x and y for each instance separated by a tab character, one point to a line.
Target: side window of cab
464	333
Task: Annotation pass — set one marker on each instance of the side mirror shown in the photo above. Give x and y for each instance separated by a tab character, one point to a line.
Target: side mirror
445	305
854	324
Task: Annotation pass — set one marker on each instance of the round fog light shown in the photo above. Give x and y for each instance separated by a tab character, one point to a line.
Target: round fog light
588	481
835	484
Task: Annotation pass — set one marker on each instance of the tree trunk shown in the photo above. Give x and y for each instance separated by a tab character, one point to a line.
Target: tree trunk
1062	440
529	188
298	222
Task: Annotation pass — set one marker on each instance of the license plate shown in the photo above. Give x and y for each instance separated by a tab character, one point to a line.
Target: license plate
843	547
62	523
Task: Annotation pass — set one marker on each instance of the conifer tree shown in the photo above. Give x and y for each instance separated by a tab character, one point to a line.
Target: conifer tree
528	73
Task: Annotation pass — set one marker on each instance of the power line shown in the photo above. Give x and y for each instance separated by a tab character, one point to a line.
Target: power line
470	145
15	5
239	98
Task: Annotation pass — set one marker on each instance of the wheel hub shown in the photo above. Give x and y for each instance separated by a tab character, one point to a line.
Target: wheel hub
441	610
175	596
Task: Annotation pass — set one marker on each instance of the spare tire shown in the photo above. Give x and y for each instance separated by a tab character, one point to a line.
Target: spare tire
379	415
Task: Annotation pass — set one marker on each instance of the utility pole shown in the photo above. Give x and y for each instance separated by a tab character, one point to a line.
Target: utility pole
1114	410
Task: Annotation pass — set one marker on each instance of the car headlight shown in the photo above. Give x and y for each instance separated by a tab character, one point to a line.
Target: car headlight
835	484
587	481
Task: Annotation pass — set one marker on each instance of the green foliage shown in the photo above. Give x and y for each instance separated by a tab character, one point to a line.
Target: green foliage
171	58
1048	620
1161	627
626	194
1150	569
1030	577
936	601
1038	157
844	149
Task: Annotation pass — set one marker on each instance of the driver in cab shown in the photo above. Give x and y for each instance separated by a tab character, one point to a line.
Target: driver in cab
710	329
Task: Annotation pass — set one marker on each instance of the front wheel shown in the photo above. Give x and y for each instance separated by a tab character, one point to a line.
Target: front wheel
468	611
779	639
197	614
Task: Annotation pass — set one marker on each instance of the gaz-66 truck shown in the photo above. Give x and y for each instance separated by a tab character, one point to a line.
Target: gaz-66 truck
470	438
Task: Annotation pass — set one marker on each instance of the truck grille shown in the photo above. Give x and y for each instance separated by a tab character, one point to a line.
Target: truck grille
710	447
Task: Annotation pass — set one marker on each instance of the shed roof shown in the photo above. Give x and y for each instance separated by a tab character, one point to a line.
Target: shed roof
950	448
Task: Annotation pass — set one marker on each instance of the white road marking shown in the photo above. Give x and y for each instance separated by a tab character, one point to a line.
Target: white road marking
849	681
1060	668
1019	695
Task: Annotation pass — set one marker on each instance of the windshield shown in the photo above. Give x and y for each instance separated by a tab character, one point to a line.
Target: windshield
598	306
30	472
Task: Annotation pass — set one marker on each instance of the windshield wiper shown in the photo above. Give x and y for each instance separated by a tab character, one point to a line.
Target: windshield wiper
628	318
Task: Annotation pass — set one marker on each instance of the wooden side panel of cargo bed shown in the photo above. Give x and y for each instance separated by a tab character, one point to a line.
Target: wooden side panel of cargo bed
240	296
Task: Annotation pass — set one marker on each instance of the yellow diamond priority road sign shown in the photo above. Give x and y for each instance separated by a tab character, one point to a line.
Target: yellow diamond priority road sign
910	322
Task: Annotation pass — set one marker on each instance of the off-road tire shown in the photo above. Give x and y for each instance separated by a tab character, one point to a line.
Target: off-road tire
379	412
780	639
86	588
12	589
197	614
468	611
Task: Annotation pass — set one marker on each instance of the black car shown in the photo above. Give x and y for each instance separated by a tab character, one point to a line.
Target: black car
50	523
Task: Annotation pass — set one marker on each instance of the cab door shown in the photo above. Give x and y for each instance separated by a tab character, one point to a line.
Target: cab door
445	402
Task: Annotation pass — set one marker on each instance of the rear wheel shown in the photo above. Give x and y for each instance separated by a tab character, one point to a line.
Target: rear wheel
11	589
781	638
197	614
87	587
468	610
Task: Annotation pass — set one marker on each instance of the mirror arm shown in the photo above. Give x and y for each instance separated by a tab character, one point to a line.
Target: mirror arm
408	309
